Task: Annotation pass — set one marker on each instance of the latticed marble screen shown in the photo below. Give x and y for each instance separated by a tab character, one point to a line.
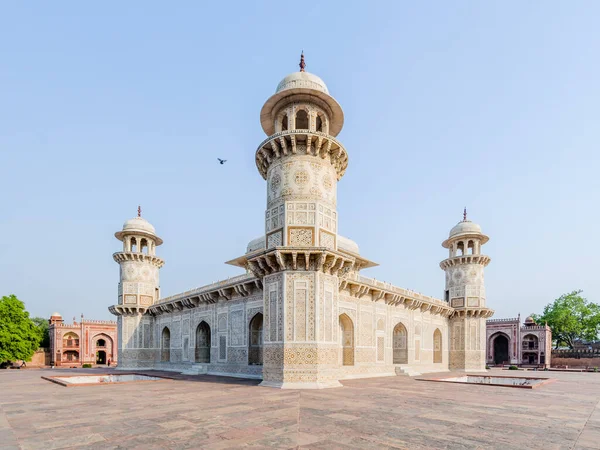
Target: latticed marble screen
275	239
300	298
273	314
300	237
437	346
222	347
236	327
380	348
326	240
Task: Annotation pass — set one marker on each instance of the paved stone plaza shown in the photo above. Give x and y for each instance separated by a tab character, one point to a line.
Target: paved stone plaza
218	412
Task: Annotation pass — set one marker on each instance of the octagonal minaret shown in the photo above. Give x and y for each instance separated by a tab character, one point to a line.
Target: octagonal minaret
302	162
138	290
300	263
465	292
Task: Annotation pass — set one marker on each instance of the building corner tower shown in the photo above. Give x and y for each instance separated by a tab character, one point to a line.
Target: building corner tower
465	292
138	290
302	161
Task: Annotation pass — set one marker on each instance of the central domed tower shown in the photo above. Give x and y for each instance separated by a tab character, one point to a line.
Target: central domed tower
302	162
298	261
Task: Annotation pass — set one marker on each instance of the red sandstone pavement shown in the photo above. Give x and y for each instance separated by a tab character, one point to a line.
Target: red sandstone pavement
219	413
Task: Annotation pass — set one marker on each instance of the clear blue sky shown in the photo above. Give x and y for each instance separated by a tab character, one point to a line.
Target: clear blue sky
492	105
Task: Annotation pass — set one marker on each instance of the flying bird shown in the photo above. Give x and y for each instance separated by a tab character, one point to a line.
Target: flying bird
222	161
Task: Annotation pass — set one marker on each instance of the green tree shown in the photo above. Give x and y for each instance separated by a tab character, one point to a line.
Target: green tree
19	336
42	324
571	317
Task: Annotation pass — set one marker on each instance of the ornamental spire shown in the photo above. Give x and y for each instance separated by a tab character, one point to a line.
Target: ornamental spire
139	211
302	63
465	214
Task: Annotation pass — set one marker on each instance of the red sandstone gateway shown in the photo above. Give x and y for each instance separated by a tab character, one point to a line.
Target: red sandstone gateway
85	342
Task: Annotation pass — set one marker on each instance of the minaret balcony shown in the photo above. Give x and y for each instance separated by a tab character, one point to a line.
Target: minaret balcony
465	259
129	310
472	313
138	256
301	142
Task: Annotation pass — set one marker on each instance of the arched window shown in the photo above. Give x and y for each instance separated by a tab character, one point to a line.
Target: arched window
284	123
133	245
470	248
202	343
301	120
399	344
530	342
319	124
165	345
71	356
347	335
255	340
100	343
437	346
144	246
460	249
70	339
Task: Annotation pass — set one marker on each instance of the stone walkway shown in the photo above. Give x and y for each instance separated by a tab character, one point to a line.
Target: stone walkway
215	412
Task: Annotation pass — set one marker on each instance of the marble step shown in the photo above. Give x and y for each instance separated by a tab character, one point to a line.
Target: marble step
196	369
407	371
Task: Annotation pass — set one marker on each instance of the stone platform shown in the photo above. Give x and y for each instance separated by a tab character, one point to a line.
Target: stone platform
216	412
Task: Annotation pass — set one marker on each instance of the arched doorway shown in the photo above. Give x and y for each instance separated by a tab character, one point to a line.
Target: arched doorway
399	344
437	346
347	335
165	345
100	357
501	349
202	352
71	356
255	340
530	358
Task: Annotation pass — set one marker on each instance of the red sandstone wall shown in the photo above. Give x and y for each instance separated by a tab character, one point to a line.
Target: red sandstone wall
40	358
576	362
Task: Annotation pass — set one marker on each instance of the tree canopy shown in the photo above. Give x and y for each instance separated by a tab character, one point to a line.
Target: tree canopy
42	324
571	317
19	335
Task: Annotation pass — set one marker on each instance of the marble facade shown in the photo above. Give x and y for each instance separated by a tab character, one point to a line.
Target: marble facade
302	315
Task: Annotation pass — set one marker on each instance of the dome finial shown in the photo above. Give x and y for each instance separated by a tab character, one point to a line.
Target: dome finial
302	63
465	214
139	211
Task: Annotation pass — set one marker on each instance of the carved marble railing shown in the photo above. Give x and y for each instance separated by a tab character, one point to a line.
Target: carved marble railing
317	143
242	285
359	286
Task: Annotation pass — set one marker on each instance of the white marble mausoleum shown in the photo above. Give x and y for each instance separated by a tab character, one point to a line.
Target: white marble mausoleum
300	314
